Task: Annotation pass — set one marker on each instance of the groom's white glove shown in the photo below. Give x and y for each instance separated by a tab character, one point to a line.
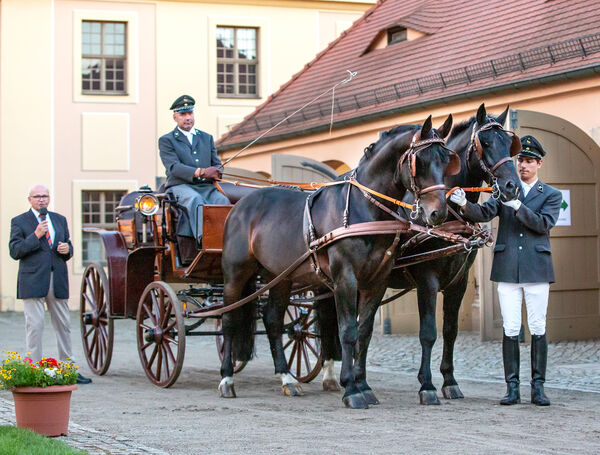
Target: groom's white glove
515	204
458	197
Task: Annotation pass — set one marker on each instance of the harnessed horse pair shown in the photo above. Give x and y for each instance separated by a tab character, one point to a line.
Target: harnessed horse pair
272	232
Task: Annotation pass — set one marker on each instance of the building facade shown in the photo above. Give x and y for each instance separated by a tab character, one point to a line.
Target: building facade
541	58
85	90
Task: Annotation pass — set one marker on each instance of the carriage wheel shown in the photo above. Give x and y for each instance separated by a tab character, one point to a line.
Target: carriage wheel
160	334
97	329
237	365
302	347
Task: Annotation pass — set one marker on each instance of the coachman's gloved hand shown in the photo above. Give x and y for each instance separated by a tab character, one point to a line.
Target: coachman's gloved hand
515	204
211	173
459	197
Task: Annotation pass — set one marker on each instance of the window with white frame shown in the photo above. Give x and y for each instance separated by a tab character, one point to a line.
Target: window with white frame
98	210
103	58
237	62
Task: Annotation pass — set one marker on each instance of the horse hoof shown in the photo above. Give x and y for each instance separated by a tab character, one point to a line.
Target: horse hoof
292	390
355	401
428	397
331	385
452	392
370	397
226	391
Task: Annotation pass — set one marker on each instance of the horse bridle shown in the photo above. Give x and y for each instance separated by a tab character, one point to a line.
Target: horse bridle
490	177
417	145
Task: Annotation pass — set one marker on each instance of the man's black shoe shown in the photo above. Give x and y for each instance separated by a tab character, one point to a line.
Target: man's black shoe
81	379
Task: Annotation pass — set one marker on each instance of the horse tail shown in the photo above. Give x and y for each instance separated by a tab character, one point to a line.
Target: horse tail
244	328
331	348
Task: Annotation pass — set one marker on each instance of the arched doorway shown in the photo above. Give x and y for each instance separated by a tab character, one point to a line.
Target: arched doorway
572	163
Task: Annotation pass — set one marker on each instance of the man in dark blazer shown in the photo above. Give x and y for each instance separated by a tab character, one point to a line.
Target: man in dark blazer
522	265
39	240
191	162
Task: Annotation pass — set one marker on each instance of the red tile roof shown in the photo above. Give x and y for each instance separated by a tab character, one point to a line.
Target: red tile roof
466	49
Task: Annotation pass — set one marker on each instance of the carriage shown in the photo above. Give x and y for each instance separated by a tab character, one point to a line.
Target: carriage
163	280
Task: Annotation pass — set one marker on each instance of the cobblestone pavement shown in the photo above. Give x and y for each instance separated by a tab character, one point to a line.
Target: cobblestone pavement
572	365
92	441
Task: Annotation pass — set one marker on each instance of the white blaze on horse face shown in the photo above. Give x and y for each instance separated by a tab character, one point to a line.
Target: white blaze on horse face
328	369
226	380
287	378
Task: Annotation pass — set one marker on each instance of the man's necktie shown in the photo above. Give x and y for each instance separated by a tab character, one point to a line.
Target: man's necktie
48	239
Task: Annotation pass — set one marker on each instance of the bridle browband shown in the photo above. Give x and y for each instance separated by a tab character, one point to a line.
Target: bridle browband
475	144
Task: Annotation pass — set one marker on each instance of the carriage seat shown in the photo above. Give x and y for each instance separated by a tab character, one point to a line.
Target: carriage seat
235	192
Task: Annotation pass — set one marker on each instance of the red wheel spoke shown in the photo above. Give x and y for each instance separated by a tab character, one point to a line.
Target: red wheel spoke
145	346
91	288
170	352
306	359
170	340
166	361
166	314
170	325
298	360
292	355
153	356
290	341
310	346
159	362
87	334
150	314
90	301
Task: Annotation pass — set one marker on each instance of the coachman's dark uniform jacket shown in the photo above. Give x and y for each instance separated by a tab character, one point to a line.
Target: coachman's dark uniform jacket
182	159
36	259
522	253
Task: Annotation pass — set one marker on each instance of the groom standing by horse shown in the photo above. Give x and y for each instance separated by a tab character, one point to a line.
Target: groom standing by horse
522	265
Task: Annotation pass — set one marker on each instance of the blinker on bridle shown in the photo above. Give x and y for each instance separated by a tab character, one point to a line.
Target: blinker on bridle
490	177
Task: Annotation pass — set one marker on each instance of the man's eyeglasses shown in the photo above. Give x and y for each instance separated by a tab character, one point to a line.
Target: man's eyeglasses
40	196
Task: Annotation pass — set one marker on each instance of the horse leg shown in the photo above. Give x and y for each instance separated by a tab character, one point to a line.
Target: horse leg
452	300
345	303
426	294
330	343
368	304
238	329
273	315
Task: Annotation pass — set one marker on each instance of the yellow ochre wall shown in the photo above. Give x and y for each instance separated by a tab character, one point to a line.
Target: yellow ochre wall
52	134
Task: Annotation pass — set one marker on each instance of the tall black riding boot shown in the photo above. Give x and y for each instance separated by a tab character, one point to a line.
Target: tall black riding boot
539	356
511	359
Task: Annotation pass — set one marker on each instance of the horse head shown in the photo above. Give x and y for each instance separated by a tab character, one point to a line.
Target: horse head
490	152
423	167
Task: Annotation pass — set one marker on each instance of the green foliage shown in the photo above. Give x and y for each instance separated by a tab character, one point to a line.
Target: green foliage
23	372
18	441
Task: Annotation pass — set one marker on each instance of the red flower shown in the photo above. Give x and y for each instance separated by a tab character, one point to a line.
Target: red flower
48	362
28	359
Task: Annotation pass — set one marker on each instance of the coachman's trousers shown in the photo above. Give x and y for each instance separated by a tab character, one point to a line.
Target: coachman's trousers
34	325
511	296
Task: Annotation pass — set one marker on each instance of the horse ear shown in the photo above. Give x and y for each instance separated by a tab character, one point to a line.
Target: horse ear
502	117
481	113
444	130
426	128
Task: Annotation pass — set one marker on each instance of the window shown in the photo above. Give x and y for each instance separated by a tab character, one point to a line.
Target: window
103	58
237	62
396	35
97	211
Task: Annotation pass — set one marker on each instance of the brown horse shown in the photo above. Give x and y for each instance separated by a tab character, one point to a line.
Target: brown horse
266	232
485	149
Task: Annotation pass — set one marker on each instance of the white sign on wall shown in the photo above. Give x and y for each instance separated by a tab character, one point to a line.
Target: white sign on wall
564	216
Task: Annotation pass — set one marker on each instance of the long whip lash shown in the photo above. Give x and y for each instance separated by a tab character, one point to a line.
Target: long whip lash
351	75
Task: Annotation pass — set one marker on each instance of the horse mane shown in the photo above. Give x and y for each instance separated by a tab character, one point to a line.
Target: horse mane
384	138
460	127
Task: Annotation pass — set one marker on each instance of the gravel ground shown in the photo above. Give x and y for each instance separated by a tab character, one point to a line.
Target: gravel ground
122	412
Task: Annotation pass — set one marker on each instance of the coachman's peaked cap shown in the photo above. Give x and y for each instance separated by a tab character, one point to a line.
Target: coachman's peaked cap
185	103
532	148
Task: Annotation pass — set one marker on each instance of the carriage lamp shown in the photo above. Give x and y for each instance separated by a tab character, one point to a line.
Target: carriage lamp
147	204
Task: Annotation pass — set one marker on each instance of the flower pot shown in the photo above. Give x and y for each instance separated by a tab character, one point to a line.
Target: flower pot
44	410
